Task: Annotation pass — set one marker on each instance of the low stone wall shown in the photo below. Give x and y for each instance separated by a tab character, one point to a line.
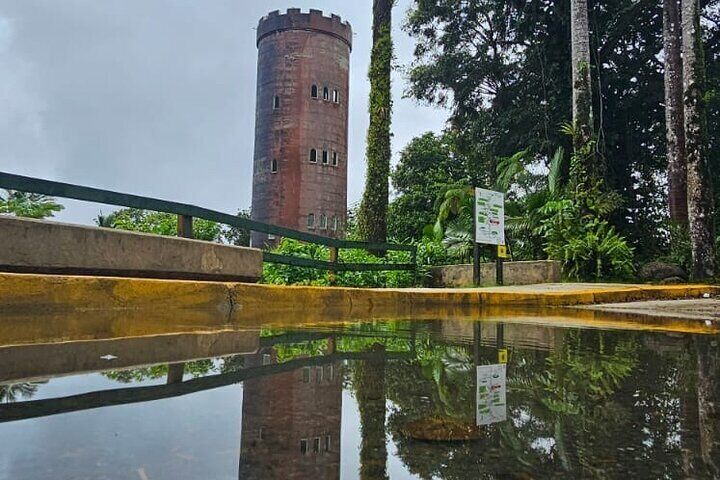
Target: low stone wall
514	273
36	246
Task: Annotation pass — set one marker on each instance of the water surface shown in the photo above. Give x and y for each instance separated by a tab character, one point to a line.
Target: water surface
369	400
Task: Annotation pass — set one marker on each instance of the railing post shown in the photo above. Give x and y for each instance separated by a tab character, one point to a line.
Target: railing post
185	226
175	373
413	260
332	276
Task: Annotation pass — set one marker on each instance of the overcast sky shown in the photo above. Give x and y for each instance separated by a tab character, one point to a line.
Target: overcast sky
157	97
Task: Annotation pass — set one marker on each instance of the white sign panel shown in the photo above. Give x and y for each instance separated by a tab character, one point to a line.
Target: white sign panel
489	217
491	406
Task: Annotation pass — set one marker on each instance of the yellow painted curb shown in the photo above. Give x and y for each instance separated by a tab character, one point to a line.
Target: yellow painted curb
25	294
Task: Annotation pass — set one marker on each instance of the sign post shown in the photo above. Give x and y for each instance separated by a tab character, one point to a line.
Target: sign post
489	222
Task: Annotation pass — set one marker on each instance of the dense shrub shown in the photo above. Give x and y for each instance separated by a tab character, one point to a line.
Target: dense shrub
429	253
589	248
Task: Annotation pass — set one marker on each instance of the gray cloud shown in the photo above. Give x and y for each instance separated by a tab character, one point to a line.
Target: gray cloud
157	97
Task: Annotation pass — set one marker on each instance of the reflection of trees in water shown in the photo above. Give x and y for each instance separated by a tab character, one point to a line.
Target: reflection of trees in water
369	383
196	368
13	392
600	405
234	363
708	393
451	371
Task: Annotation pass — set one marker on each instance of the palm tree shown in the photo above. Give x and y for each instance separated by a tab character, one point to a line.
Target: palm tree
12	392
106	221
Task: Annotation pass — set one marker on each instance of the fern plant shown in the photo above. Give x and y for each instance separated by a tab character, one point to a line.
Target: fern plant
588	247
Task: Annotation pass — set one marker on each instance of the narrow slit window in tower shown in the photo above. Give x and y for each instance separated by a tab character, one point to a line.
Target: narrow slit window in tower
325	157
335	159
276	102
274	165
336	96
314	91
326	93
313	155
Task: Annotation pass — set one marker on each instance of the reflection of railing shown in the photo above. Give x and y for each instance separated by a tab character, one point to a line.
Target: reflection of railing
187	212
123	396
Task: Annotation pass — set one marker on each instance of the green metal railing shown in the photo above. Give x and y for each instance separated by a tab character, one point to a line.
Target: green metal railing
187	212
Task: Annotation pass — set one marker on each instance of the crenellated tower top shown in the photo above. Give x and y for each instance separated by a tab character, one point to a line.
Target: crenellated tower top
314	21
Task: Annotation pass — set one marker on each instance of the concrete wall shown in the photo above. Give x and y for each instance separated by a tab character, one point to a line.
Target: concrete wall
35	246
20	362
514	273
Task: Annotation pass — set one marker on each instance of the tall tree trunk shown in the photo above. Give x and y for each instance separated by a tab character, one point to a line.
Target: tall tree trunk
674	117
708	394
581	86
689	421
372	217
370	393
699	180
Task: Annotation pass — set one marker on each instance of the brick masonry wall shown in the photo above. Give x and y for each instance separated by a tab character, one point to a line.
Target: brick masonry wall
295	52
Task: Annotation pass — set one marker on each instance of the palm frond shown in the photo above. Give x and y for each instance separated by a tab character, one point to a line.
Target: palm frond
557	164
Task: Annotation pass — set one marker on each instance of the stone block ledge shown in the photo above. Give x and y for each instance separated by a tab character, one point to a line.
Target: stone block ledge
37	246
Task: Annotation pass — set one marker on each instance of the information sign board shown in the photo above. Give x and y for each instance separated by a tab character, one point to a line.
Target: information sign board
489	217
491	402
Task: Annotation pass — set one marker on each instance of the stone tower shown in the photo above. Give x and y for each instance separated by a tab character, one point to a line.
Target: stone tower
301	123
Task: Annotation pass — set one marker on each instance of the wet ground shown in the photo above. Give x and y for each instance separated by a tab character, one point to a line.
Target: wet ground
706	309
511	395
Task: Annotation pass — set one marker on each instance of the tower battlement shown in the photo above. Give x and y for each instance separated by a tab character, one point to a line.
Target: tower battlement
313	21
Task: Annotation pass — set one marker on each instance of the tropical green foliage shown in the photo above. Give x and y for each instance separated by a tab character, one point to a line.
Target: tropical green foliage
589	248
196	368
14	392
578	379
503	70
575	230
159	223
680	251
429	253
530	185
546	215
452	372
454	223
28	205
428	168
236	235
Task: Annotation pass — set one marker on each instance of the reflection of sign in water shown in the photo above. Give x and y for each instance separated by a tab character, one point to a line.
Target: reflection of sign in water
489	217
490	398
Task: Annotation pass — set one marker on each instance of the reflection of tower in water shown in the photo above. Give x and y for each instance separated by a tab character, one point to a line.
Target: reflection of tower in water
291	422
